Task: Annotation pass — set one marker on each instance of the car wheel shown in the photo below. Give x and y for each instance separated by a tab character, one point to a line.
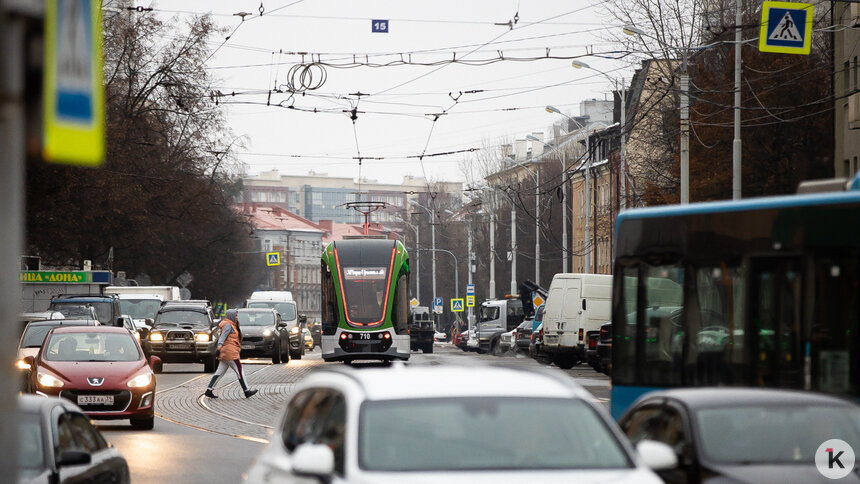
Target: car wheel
158	367
285	355
296	355
494	348
566	363
143	423
209	365
276	354
428	348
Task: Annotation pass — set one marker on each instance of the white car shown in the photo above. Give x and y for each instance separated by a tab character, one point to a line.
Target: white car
449	424
439	336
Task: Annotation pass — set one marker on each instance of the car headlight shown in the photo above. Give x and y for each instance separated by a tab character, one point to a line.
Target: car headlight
22	365
156	337
140	381
136	335
294	330
267	332
47	380
203	337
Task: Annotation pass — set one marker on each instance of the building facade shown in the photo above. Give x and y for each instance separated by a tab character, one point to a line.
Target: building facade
846	86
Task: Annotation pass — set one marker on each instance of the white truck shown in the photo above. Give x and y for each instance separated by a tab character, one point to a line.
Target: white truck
143	302
577	303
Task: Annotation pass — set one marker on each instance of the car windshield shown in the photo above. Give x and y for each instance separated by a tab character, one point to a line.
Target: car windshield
287	310
77	311
31	451
34	336
774	433
176	318
140	308
256	318
103	309
478	434
489	313
91	346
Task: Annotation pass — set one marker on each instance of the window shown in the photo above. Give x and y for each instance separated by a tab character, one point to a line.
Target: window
662	424
317	417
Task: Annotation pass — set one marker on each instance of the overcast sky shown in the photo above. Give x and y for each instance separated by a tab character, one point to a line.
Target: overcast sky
395	118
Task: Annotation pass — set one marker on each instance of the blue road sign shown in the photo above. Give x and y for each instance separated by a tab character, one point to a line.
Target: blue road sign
456	305
786	27
470	289
273	259
379	26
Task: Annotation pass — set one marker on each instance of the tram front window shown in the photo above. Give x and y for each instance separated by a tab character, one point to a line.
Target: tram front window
365	290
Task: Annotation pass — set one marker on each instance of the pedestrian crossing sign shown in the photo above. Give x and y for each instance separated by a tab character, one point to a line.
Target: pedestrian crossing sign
273	258
457	305
786	28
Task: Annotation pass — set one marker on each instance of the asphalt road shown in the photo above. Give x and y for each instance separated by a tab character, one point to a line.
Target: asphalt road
199	440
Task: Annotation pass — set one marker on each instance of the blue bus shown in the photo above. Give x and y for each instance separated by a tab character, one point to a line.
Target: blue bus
760	292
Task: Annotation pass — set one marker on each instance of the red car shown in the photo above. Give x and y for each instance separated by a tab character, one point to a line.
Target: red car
101	369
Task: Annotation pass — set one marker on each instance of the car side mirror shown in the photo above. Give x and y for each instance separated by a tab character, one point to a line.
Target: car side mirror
154	361
314	460
282	324
657	455
74	458
29	360
119	322
148	321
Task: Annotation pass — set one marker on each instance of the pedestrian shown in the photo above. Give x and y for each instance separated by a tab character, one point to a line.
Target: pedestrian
228	348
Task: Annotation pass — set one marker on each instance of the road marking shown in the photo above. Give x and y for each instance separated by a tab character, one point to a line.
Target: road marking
202	403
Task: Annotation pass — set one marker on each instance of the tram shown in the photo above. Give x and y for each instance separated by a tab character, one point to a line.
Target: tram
365	300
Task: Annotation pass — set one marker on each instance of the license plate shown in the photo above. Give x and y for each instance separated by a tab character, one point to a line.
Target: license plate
248	346
95	399
179	346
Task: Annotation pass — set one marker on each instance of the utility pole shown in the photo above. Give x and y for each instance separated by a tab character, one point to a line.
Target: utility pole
586	240
564	205
685	132
492	289
537	227
433	245
469	259
14	18
513	248
623	176
736	143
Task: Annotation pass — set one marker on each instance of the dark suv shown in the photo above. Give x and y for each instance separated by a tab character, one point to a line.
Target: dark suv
107	308
185	333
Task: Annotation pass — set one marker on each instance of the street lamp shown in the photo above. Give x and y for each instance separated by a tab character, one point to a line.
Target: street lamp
684	111
536	176
417	260
563	160
432	214
552	109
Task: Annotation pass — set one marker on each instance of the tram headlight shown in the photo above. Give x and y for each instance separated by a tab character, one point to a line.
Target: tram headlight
386	335
343	336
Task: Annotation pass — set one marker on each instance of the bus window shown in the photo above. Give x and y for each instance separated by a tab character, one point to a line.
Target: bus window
835	326
716	352
664	334
775	323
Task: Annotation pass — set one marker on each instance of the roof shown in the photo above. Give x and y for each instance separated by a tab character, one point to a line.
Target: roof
83	299
748	204
272	217
185	307
340	231
64	322
89	329
407	382
721	397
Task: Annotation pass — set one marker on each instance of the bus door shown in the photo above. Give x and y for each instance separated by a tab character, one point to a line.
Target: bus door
775	304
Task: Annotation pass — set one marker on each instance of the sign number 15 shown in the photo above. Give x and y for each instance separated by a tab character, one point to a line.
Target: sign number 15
379	26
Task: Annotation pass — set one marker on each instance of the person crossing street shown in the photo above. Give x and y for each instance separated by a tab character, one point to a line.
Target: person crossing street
229	346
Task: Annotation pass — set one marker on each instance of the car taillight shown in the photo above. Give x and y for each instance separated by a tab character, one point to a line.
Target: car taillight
581	332
592	343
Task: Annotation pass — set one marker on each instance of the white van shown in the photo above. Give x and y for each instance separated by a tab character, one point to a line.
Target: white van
576	303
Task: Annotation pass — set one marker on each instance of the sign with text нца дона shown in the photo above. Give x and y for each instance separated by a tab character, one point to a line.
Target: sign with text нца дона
786	28
65	277
72	92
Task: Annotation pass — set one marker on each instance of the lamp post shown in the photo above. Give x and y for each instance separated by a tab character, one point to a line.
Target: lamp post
582	127
684	111
432	214
415	228
536	176
622	179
